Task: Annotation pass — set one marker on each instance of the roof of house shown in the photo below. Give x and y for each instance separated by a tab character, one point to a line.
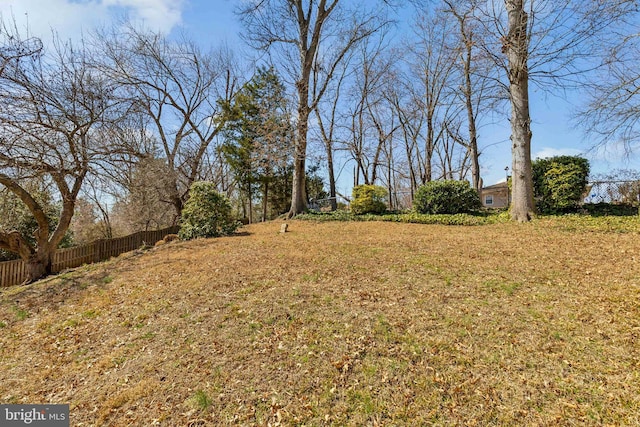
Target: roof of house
498	186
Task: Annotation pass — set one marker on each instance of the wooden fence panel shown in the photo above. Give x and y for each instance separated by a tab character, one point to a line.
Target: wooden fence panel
15	272
72	257
12	272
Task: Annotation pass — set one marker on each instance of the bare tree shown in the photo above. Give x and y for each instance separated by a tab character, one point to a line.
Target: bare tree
55	115
434	67
143	204
112	181
612	113
476	77
550	43
328	117
86	225
411	118
13	46
307	34
455	153
516	48
177	88
371	114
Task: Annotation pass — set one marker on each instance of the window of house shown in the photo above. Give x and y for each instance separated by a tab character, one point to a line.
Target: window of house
488	199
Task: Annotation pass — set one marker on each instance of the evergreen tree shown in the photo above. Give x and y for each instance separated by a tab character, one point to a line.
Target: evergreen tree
258	138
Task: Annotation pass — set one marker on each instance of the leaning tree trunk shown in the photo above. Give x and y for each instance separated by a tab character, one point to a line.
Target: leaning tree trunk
38	261
516	49
332	177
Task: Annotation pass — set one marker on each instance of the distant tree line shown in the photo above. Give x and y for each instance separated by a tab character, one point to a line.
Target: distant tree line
107	135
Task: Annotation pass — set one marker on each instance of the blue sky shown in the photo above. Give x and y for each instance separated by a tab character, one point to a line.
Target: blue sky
211	22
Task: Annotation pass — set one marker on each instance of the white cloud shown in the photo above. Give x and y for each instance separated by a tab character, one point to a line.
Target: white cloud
614	151
601	159
547	152
156	14
69	18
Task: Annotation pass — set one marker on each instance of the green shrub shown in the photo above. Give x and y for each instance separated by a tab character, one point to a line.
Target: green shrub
475	218
207	213
368	199
446	197
559	183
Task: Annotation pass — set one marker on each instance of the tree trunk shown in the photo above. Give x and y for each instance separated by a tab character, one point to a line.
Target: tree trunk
390	179
177	202
250	197
298	195
39	265
265	199
516	48
409	151
466	36
332	178
428	150
473	133
243	204
382	139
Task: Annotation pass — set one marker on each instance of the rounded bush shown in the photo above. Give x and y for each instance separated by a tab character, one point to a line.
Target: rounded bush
446	197
206	213
559	183
368	199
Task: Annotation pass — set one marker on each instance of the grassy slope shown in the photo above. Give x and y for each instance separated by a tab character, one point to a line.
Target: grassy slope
339	324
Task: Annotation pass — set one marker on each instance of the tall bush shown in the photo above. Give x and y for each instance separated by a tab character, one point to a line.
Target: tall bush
206	213
368	199
559	183
446	197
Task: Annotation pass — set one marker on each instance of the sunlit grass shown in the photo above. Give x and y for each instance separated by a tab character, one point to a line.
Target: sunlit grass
342	323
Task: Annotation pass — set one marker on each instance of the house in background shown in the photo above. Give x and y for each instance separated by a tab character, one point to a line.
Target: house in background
495	196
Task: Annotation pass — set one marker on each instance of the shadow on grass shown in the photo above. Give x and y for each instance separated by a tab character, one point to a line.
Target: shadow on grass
609	209
53	291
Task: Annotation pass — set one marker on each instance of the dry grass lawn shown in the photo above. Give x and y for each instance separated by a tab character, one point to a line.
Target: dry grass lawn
339	324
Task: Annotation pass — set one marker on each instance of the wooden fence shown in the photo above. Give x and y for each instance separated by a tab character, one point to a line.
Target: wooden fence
15	272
